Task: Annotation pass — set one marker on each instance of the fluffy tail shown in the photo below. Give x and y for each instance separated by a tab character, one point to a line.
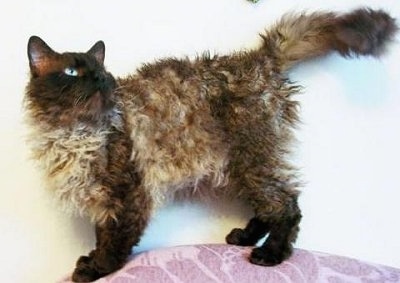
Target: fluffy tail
300	37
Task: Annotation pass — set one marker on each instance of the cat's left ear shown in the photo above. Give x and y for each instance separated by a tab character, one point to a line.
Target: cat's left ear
98	51
40	55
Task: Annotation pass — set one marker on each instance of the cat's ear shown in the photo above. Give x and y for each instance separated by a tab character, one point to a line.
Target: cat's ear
98	51
39	54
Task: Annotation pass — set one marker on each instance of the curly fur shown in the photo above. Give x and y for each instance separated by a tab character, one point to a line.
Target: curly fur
69	159
115	150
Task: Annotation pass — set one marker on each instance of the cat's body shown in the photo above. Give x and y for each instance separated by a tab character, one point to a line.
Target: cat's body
117	149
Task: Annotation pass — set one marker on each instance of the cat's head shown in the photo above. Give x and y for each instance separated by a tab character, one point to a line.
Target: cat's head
66	88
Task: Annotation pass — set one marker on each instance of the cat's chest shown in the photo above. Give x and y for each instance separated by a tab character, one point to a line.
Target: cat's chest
72	162
60	151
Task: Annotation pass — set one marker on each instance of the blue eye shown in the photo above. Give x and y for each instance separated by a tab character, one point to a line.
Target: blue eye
70	71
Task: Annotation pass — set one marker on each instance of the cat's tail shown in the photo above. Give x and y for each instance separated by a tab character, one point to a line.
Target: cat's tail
300	37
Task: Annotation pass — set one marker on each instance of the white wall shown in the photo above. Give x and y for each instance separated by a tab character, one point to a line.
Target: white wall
348	144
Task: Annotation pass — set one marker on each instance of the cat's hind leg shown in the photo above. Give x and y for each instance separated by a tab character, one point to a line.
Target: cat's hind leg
276	212
284	227
250	235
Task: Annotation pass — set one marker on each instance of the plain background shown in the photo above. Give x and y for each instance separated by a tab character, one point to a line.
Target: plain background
348	147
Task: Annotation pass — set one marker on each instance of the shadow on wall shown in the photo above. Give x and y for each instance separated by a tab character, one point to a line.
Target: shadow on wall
193	223
83	230
369	87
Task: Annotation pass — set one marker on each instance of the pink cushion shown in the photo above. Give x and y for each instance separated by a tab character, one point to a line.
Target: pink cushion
225	263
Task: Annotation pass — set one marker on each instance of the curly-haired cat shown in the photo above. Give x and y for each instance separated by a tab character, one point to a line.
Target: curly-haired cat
116	149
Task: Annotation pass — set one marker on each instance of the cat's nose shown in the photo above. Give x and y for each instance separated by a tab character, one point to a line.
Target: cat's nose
104	82
99	77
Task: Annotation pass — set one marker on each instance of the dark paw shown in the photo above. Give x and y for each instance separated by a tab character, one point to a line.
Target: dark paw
267	257
85	270
238	237
85	275
83	260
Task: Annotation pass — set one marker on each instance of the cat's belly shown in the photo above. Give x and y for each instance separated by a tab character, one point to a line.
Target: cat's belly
185	176
179	158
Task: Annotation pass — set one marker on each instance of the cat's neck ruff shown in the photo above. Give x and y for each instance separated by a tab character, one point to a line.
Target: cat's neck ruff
71	158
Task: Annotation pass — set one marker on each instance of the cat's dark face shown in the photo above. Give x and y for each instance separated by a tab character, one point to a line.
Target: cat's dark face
66	88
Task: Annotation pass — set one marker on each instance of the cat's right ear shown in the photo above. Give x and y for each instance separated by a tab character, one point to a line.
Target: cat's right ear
39	54
98	51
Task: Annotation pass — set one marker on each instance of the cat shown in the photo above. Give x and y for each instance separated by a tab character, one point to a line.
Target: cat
115	149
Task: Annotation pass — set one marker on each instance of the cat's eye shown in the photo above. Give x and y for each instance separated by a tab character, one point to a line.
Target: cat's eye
70	71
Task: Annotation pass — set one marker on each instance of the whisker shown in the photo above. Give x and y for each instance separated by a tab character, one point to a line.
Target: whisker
62	89
79	99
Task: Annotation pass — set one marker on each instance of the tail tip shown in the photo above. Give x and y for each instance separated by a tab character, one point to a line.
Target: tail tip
365	32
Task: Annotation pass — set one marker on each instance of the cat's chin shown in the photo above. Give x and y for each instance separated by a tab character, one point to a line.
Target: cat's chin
96	102
96	107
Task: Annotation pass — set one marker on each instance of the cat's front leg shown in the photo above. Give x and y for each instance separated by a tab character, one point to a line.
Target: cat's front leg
105	259
116	238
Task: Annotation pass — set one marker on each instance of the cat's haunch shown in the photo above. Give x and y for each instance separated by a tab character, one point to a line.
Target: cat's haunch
115	149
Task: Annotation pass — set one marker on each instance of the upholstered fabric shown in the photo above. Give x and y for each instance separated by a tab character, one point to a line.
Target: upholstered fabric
225	263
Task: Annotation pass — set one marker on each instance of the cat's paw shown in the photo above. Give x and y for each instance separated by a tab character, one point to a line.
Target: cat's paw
85	270
239	237
267	257
83	276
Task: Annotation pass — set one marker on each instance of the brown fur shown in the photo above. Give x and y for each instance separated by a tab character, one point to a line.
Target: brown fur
117	149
